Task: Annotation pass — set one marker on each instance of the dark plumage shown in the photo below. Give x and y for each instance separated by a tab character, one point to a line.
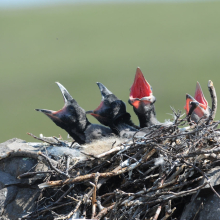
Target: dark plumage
72	118
112	112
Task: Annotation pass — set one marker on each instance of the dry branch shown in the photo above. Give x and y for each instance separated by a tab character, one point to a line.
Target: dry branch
214	99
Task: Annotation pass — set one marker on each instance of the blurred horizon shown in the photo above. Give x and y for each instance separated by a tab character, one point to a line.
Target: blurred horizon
175	45
16	4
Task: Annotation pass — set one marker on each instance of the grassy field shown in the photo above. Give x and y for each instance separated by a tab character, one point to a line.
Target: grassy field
174	44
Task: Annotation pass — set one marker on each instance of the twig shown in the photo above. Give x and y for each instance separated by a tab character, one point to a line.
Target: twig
168	214
201	205
31	174
94	196
61	197
157	213
214	99
44	140
104	212
67	164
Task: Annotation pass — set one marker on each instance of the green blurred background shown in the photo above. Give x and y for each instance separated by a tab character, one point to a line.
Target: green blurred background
174	44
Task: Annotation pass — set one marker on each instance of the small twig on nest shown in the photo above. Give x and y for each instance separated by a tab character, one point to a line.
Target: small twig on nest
157	213
61	197
168	214
31	174
67	164
104	212
44	140
214	99
94	195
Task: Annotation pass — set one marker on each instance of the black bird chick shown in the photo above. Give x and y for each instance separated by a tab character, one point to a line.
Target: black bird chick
142	99
112	112
72	118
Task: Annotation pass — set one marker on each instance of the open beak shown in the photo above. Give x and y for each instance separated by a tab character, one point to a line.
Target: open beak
198	104
57	115
110	108
103	112
200	97
189	99
104	91
140	91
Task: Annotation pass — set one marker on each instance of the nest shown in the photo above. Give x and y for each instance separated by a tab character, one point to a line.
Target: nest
143	178
147	177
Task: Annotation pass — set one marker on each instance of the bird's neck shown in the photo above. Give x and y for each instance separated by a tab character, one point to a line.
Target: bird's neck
123	127
78	132
147	117
123	124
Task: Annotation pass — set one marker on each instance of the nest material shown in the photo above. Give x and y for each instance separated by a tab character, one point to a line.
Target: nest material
143	178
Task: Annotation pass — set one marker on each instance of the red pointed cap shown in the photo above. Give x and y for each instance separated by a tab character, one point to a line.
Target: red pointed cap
200	97
140	88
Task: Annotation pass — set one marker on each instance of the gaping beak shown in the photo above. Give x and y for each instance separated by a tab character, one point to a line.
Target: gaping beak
53	115
104	91
194	105
140	90
57	115
189	99
110	109
103	112
200	97
198	103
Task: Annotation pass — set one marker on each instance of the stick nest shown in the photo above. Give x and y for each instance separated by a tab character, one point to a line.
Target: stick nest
144	178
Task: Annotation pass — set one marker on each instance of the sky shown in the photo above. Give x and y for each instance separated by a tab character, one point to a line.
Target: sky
39	3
